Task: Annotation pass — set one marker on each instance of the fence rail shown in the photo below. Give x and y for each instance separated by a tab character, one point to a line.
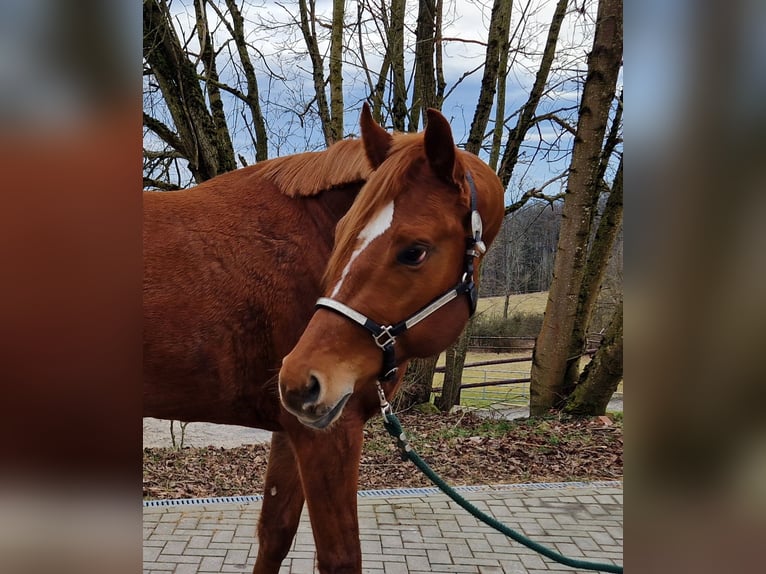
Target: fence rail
487	384
500	344
503	344
490	344
487	363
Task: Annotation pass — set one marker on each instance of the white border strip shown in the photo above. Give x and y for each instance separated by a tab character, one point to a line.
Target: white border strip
392	492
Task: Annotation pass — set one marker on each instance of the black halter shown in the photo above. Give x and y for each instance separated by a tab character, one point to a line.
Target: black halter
385	335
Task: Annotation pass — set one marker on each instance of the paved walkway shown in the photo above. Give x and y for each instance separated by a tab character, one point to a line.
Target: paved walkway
414	531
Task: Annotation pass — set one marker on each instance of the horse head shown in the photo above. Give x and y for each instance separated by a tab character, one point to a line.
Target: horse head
401	281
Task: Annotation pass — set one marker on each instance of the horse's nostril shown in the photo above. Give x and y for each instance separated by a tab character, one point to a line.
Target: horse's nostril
313	390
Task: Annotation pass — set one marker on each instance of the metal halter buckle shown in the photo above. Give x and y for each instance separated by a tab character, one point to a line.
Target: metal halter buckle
384	339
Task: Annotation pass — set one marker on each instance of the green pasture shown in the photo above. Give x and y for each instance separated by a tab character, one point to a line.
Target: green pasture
511	395
521	303
516	394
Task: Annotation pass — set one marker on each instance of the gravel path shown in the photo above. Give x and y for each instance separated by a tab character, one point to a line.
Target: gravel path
157	434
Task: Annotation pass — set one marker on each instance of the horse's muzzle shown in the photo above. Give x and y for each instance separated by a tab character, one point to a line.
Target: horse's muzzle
310	403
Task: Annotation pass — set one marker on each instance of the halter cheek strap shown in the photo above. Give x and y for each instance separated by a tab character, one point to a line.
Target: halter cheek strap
385	335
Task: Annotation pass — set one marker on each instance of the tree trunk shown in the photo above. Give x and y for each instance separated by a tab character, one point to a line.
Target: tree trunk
396	47
252	98
595	268
336	70
424	85
499	25
512	146
441	83
378	90
600	378
502	77
551	356
453	373
197	137
225	149
308	29
417	385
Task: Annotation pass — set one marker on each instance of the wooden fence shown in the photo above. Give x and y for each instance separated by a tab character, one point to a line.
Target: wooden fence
505	345
491	344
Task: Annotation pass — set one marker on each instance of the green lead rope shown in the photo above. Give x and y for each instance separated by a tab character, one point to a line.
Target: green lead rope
394	428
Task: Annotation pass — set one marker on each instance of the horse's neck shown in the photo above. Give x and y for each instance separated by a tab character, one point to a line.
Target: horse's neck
330	205
338	201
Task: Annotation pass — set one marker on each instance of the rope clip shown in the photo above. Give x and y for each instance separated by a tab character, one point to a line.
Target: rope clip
385	406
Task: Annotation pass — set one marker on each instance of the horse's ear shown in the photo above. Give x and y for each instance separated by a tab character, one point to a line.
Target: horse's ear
440	148
377	141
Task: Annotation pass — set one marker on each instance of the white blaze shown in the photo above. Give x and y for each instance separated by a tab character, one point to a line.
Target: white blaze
375	228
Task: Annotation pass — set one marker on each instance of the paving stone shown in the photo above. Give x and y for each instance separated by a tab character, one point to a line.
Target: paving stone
417	562
402	534
224	536
236	557
151	553
205	552
439	556
211	564
302	566
186	569
395	568
533	562
174	548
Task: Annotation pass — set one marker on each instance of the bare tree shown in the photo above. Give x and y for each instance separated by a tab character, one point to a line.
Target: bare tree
308	21
601	376
497	52
336	70
424	84
551	356
453	371
525	121
197	136
251	96
197	128
595	268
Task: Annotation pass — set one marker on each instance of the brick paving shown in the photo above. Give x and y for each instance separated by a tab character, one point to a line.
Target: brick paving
411	533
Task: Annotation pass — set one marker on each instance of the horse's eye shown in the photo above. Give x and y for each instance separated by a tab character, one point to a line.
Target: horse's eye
413	255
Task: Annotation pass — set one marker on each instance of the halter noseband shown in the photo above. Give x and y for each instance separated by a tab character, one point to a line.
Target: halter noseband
385	335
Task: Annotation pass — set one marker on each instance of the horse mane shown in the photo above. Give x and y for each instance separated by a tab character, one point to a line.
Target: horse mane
383	185
306	174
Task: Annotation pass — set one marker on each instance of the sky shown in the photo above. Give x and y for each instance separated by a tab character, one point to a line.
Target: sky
465	24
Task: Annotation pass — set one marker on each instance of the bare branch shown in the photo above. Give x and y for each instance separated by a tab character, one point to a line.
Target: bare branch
537	193
165	154
461	78
463	40
150	183
554	118
164	133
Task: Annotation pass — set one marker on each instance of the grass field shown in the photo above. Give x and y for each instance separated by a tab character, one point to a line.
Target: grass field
516	394
522	303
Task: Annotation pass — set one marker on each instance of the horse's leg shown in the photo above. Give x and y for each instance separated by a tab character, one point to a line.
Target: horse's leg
282	506
329	463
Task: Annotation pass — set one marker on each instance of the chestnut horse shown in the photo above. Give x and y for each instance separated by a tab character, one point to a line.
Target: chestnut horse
233	269
401	283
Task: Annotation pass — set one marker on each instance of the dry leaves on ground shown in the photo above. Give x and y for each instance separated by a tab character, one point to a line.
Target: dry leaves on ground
464	448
